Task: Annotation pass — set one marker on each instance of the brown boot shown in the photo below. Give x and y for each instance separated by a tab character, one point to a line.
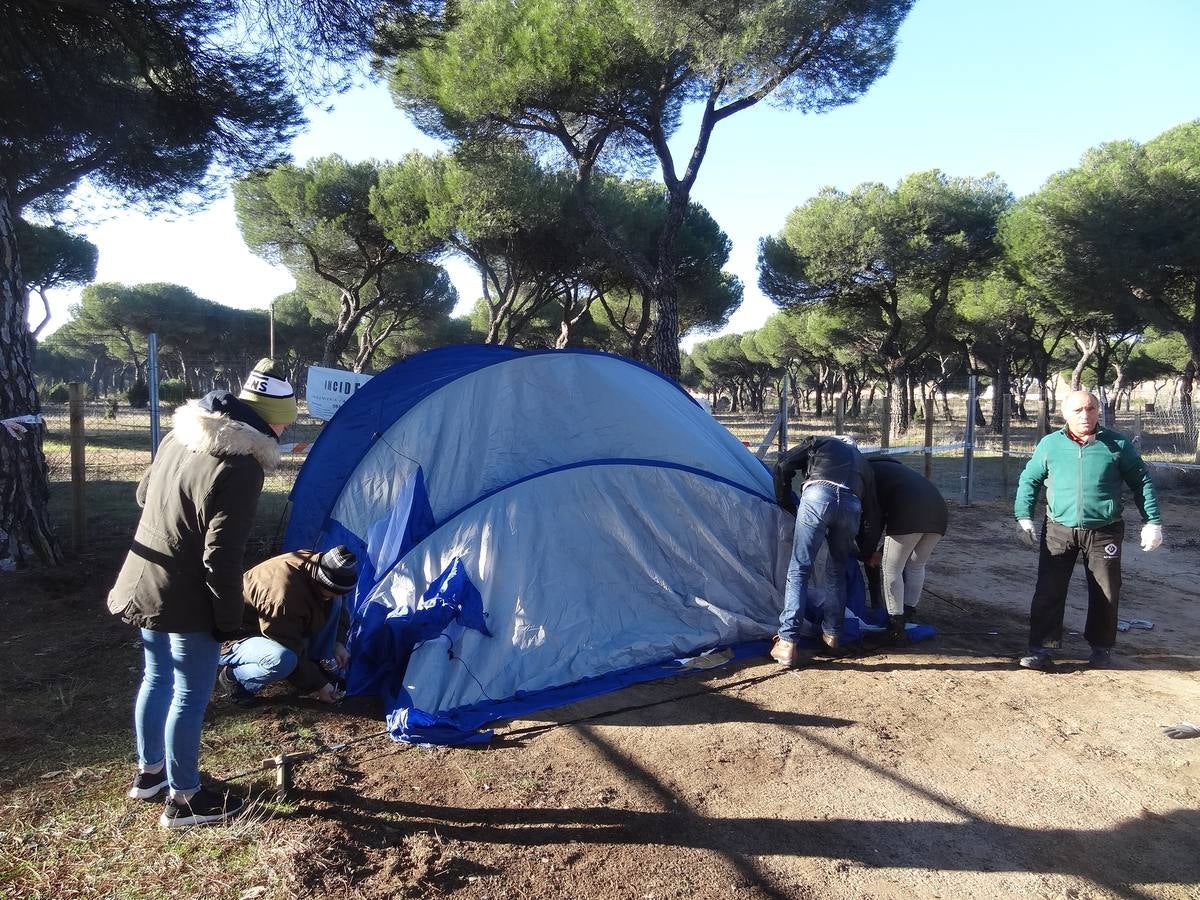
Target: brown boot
783	652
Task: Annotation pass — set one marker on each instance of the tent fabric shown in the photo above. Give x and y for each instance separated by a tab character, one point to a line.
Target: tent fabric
536	528
388	397
581	574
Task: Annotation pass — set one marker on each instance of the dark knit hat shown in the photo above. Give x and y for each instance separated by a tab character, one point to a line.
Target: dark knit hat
270	394
337	570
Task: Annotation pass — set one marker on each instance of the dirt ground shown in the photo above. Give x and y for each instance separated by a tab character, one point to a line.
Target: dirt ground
938	771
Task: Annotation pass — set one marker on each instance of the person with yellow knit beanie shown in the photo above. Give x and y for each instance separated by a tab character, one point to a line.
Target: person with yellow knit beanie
269	393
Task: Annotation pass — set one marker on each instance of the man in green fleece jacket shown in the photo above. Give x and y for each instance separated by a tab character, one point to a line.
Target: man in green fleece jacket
1082	466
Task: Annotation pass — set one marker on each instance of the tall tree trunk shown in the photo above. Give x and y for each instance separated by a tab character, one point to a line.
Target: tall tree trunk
897	392
1085	353
1187	413
1189	371
335	345
25	531
665	339
1001	389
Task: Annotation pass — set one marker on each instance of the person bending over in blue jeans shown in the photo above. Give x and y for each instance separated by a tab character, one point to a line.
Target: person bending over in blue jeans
837	499
295	620
181	582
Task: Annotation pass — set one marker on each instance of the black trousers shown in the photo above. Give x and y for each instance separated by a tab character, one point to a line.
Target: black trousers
1060	547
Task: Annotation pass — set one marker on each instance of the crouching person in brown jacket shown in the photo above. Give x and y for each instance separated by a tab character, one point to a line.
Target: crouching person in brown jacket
291	601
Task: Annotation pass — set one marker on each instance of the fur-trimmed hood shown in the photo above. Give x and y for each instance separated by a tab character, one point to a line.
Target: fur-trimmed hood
218	434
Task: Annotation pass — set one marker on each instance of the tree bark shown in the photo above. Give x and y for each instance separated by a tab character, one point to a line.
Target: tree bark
1001	388
665	338
1086	349
25	532
1186	412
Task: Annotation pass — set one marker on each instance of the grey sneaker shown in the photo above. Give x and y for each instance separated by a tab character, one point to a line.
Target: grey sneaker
148	785
204	808
1037	659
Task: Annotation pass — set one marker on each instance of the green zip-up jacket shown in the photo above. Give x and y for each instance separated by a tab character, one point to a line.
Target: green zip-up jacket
1083	483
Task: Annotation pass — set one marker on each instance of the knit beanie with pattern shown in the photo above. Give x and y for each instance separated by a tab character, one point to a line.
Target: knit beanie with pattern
337	570
269	393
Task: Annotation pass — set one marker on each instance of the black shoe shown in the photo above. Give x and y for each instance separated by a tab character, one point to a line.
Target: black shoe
831	645
1101	658
897	634
204	808
234	689
910	613
1037	659
148	785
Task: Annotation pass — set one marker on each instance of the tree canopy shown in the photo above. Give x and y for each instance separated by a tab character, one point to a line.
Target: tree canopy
888	257
150	101
1119	235
603	83
540	263
317	220
54	258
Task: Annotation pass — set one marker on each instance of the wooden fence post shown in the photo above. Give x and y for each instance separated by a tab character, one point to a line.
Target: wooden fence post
78	470
885	432
839	415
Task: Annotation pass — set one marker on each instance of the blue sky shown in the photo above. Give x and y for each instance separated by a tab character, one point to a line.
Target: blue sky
1017	87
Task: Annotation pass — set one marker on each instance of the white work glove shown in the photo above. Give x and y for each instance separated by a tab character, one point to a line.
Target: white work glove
1182	730
1026	533
1151	536
327	694
13	427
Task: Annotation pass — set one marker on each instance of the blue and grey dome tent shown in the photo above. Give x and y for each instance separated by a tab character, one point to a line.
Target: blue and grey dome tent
536	528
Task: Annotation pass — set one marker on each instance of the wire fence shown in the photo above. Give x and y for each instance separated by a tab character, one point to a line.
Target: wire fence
969	459
117	452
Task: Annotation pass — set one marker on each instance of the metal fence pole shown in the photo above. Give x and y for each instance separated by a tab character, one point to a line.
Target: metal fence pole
885	431
78	469
839	414
1005	439
152	378
969	444
928	437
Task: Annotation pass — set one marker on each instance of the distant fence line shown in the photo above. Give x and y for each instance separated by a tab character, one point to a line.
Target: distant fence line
967	460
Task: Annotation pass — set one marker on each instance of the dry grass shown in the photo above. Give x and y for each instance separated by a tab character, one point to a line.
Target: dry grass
67	833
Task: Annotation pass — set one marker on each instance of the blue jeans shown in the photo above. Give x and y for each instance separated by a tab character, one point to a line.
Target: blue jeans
258	661
176	685
825	513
